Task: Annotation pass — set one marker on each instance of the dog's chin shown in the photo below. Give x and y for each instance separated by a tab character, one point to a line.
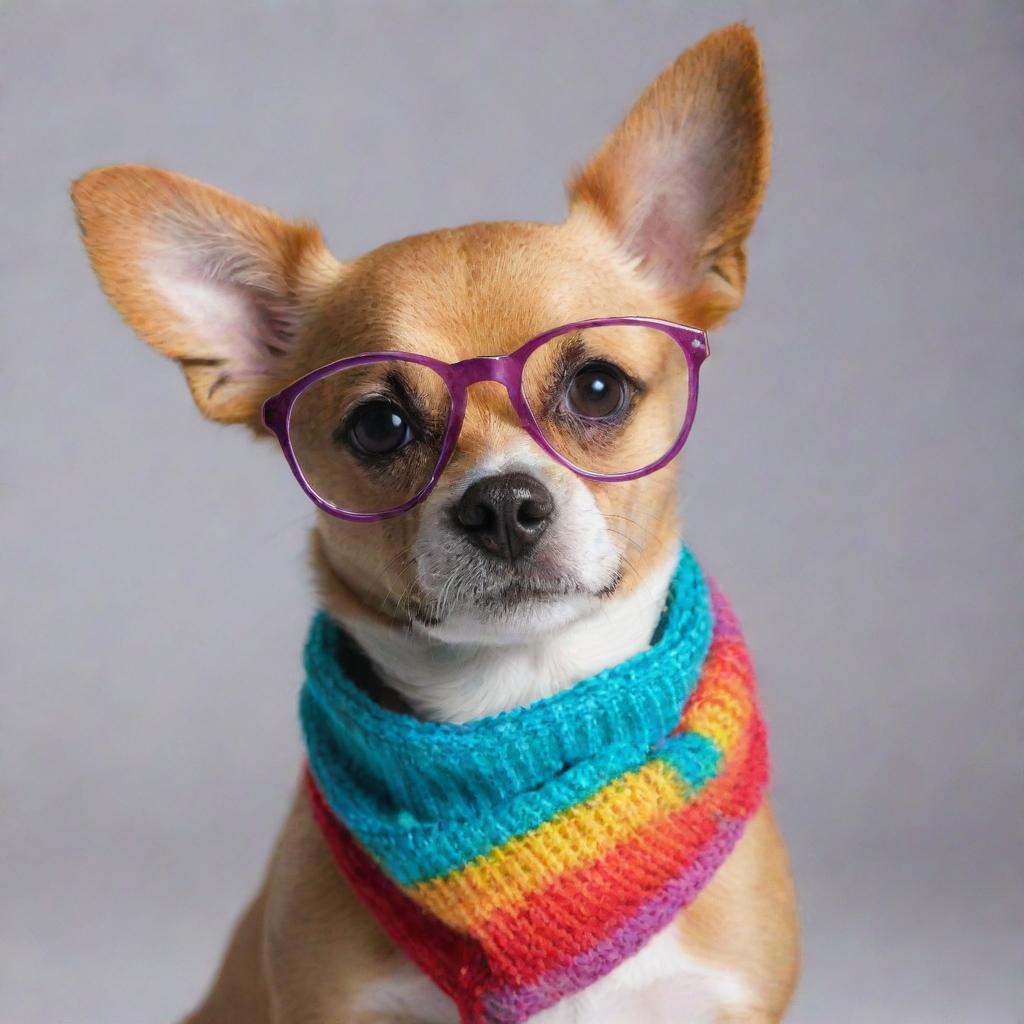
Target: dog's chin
510	616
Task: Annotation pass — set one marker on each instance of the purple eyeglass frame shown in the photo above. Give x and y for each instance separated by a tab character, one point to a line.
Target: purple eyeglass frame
458	377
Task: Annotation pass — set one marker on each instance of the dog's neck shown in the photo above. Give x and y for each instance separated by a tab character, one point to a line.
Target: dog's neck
447	682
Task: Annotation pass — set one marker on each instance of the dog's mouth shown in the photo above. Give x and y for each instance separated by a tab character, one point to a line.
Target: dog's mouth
514	591
519	591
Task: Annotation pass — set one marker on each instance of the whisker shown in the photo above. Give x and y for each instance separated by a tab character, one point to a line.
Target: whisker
406	590
631	567
626	538
632	522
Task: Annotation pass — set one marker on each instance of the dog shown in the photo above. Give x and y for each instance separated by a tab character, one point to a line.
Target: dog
465	614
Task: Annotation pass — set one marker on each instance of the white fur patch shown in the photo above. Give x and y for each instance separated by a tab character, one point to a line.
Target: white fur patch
662	984
458	682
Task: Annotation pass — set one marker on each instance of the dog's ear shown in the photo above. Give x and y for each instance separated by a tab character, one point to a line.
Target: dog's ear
680	181
209	280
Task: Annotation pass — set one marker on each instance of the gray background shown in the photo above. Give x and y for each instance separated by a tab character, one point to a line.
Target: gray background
855	479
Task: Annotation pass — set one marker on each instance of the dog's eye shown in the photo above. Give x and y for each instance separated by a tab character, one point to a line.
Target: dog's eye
378	428
597	391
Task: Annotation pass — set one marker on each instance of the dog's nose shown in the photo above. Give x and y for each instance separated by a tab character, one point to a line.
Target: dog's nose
505	515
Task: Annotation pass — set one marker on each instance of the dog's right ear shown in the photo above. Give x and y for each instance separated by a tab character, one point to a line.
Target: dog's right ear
211	281
680	181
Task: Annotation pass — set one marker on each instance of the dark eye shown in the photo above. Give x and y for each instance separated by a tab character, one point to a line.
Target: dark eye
597	391
378	428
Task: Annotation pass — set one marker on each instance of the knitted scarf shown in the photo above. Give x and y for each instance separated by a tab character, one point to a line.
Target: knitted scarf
518	858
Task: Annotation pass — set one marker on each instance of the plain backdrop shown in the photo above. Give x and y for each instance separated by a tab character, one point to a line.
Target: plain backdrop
854	478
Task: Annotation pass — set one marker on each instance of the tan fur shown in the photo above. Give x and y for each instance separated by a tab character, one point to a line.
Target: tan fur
305	948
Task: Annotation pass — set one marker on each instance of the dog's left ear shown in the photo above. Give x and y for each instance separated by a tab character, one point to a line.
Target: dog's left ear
680	181
210	280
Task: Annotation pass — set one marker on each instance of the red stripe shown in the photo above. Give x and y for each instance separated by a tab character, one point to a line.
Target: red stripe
455	962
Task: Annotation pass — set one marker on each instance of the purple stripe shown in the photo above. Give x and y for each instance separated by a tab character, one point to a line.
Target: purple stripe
727	626
512	1005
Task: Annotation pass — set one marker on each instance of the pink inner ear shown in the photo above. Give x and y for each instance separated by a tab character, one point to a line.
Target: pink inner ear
663	240
227	305
664	211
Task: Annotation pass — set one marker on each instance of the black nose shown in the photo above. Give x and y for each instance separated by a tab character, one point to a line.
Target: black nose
505	514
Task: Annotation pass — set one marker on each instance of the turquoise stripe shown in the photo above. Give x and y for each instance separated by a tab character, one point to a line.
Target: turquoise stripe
412	852
695	757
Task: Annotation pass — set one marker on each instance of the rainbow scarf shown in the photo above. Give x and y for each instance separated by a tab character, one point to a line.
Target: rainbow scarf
518	858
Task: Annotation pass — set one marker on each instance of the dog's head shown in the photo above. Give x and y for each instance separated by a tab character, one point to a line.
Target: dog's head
510	541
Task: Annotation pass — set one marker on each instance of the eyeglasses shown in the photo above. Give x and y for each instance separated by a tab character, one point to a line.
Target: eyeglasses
612	399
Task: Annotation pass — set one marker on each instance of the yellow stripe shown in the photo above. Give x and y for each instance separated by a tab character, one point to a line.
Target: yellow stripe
722	705
721	717
465	899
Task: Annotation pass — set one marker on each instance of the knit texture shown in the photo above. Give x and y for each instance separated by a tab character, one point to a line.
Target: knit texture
518	858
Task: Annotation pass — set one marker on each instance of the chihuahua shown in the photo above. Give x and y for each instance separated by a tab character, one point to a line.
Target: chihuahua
508	570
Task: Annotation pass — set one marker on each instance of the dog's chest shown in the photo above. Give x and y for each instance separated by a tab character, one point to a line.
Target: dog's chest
662	984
